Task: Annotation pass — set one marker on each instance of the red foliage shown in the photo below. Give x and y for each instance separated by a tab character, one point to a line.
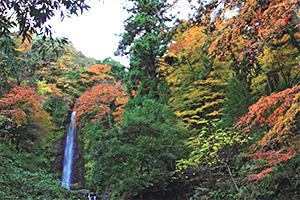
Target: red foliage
98	100
255	22
264	104
279	143
264	173
20	103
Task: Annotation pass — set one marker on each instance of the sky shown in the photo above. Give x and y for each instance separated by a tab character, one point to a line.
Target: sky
95	32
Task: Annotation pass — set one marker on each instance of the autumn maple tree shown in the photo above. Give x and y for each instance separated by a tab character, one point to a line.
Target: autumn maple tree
241	30
96	74
102	99
259	22
272	120
105	96
21	107
19	102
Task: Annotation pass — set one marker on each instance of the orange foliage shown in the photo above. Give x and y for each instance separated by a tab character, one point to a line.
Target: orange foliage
256	112
259	22
106	96
54	90
23	45
251	25
279	142
20	103
96	73
264	173
98	99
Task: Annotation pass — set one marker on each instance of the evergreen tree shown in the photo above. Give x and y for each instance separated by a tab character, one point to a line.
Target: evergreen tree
138	157
144	42
237	101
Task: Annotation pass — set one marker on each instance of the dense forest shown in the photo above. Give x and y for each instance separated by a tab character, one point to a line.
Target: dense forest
207	109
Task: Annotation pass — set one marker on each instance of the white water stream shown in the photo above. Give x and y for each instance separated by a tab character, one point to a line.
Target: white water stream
68	155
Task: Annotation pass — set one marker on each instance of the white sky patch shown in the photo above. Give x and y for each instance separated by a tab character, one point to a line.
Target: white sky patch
95	32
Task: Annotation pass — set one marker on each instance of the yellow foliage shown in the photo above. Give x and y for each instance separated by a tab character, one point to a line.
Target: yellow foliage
44	122
259	84
43	87
196	80
214	113
207	148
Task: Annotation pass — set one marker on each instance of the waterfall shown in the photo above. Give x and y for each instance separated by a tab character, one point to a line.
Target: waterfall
68	155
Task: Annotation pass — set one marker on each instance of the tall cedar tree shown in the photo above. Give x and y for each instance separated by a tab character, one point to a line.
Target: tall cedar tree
144	42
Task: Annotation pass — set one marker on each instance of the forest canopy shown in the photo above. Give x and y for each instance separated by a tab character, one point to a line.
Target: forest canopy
208	108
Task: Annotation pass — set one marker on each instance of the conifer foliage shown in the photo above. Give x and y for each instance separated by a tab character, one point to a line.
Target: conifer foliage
144	42
208	109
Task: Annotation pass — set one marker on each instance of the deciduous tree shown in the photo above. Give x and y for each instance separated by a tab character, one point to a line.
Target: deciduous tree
101	99
197	81
272	122
31	17
29	121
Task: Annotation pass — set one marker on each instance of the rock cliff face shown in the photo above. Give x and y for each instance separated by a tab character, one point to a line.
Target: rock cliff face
58	151
58	148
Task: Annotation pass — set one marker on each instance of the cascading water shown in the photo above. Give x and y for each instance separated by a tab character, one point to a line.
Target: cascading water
68	155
